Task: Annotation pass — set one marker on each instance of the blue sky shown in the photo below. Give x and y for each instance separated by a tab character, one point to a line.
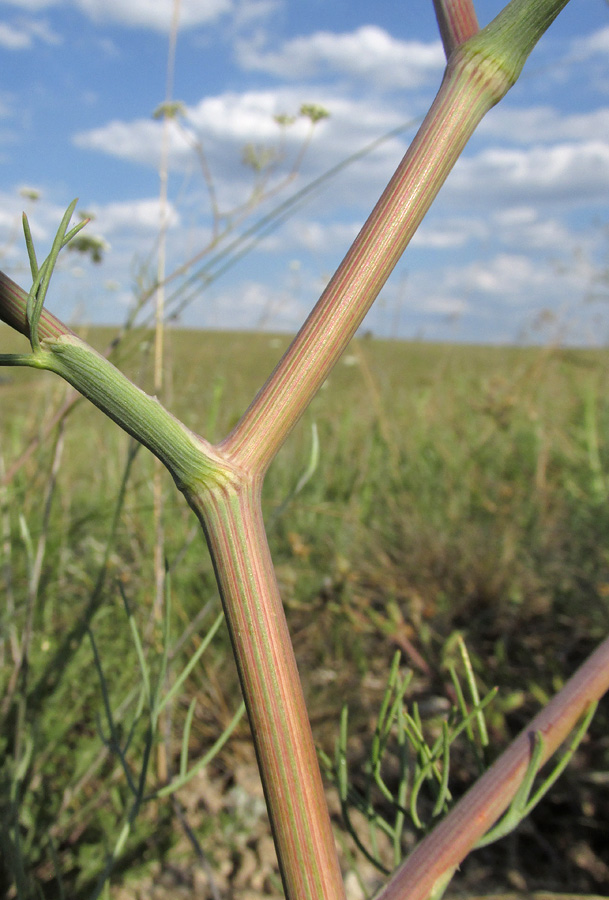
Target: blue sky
511	250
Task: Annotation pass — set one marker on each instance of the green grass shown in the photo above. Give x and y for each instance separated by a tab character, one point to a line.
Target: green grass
458	488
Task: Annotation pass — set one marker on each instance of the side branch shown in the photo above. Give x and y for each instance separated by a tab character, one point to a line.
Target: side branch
190	459
457	22
436	858
461	103
479	73
13	305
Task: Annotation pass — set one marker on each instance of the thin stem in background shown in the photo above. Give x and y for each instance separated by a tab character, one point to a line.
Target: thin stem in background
162	767
159	320
9	636
34	573
229	254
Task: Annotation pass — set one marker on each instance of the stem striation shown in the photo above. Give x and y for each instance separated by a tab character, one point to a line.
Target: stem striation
13	300
457	22
189	458
233	524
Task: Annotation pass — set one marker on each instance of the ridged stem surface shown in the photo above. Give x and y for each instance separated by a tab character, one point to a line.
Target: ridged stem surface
457	22
232	519
467	93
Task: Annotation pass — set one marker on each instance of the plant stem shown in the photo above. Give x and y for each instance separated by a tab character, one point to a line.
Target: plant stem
436	858
222	484
479	73
227	501
457	22
349	295
13	311
509	39
232	519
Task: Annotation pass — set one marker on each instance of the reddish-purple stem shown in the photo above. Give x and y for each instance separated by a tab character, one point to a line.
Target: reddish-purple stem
457	22
450	842
465	95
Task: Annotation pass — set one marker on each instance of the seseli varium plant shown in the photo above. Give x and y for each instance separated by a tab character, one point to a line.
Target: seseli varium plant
222	482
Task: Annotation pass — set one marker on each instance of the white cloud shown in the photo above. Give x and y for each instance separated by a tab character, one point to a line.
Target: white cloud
41	29
138	141
449	234
243	117
509	276
228	118
249	11
594	44
22	34
495	298
523	228
312	236
544	123
517	281
13	38
224	124
369	53
437	305
155	14
249	305
33	5
567	172
422	296
515	229
139	216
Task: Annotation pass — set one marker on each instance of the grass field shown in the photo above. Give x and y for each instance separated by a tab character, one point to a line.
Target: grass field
458	489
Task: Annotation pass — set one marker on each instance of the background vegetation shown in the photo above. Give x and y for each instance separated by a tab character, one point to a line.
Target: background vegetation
457	489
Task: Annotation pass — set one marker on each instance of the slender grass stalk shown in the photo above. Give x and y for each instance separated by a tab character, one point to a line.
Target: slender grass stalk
162	765
35	563
9	641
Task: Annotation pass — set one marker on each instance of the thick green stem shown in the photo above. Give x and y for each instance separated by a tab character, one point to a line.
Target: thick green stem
232	520
509	39
189	458
13	312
